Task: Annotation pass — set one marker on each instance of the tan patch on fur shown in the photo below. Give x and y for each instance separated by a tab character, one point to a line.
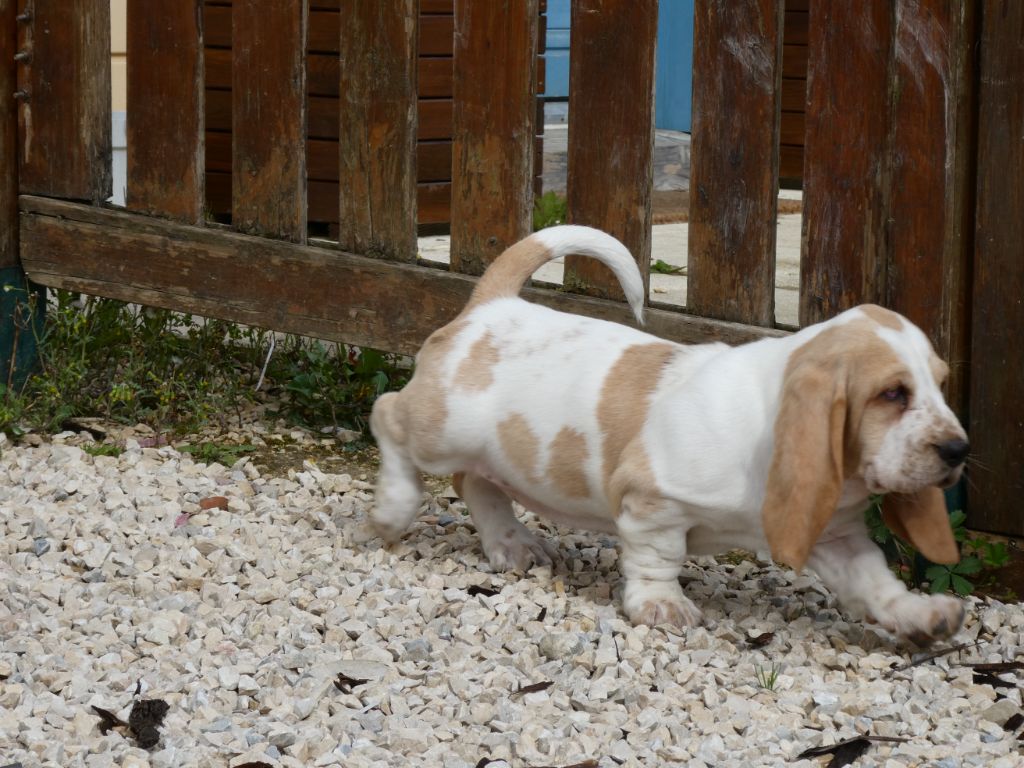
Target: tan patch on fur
829	418
520	445
475	372
917	518
625	399
938	368
566	466
883	316
633	476
426	421
508	273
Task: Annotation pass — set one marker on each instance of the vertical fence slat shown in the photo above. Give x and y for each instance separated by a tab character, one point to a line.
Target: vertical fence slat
165	108
737	79
377	128
268	125
611	132
927	270
8	135
997	345
493	128
64	120
845	157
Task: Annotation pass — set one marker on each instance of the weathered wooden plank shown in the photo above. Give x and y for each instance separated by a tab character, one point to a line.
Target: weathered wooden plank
8	134
433	116
493	128
309	290
324	73
64	119
433	199
845	169
931	154
611	131
165	108
269	117
996	483
433	158
435	31
378	128
735	160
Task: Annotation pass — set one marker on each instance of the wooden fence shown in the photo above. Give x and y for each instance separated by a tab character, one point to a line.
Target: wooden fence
913	170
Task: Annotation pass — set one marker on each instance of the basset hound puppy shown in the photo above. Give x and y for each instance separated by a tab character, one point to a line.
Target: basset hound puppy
680	449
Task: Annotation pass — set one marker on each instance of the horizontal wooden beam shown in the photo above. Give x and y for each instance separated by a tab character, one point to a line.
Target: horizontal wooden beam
310	290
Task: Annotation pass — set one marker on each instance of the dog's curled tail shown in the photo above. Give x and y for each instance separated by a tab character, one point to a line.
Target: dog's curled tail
508	273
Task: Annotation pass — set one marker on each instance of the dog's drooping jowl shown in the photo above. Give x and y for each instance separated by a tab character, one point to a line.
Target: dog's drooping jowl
680	449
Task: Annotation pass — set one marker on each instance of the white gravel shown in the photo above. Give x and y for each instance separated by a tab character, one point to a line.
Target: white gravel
243	618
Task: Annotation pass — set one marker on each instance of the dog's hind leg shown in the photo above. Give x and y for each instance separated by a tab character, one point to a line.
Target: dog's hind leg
399	486
508	543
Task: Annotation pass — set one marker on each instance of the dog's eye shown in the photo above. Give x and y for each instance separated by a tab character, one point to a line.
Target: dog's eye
899	395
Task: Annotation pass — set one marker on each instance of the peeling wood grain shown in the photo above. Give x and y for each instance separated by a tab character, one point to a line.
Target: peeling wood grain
611	132
165	108
494	110
269	117
309	290
931	156
8	135
997	345
735	160
378	128
846	170
64	121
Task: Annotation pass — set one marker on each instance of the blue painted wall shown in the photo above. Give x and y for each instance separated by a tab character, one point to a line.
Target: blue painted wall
674	62
557	49
673	74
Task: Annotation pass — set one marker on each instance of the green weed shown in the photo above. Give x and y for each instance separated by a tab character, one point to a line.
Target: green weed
217	453
768	677
548	210
664	268
979	556
102	449
175	372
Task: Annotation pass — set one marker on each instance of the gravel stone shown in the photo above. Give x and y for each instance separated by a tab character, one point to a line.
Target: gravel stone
279	630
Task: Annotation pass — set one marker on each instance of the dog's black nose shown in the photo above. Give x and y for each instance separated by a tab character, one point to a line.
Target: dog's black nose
953	452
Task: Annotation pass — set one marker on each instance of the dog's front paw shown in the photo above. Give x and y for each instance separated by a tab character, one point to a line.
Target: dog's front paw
922	619
516	549
656	602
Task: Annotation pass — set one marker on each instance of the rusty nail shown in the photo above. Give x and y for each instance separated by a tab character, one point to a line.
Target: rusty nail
21	95
23	56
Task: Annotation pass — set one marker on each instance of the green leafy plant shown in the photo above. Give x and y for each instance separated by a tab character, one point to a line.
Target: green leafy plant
767	677
217	453
176	372
978	555
331	385
664	268
102	449
548	210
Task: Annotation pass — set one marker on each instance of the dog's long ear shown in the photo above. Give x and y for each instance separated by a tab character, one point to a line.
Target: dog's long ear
806	475
921	519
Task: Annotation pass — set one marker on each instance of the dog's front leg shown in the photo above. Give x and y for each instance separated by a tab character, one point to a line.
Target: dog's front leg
652	532
854	568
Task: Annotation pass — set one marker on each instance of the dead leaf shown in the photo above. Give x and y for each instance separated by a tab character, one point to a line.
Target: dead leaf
532	688
214	502
345	684
108	720
145	719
